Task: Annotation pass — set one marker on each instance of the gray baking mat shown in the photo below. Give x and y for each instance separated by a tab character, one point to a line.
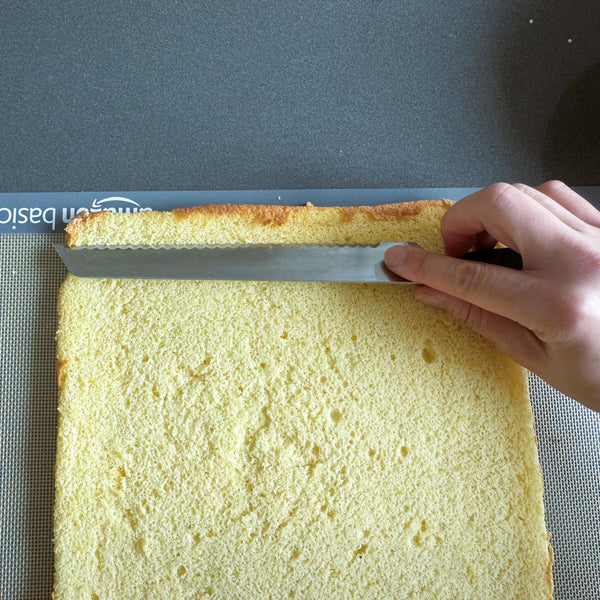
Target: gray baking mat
30	275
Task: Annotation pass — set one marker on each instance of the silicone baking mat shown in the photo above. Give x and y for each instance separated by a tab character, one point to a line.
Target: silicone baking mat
30	276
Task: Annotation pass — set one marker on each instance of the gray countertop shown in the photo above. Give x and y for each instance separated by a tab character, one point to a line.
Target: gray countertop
186	95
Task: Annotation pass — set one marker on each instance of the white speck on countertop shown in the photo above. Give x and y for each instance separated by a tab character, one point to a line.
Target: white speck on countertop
531	21
569	41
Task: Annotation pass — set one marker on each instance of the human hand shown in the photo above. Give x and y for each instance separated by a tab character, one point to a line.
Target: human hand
547	316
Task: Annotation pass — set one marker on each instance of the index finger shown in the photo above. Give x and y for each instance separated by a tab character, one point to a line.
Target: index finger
499	290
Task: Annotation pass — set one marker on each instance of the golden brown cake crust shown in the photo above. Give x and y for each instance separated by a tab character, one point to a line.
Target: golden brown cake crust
60	371
80	221
266	215
278	215
397	210
270	214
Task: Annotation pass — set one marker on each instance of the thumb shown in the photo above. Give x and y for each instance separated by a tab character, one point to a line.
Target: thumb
521	344
499	290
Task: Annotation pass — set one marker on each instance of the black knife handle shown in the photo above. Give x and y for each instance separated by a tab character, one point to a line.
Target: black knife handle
503	257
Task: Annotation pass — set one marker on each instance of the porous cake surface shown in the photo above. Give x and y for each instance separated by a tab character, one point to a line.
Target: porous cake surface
287	440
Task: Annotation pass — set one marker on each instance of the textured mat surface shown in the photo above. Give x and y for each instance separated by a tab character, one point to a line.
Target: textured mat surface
30	276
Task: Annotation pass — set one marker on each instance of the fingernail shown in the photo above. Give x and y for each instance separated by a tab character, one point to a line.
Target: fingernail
395	256
429	297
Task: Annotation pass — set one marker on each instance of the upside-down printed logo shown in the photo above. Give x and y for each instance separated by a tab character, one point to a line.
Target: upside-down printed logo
114	204
26	218
117	204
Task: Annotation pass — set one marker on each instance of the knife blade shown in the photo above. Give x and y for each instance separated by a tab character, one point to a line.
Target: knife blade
328	263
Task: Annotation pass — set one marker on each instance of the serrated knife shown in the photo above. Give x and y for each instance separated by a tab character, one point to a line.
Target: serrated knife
330	263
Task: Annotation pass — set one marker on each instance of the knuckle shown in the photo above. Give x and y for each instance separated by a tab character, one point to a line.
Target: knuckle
467	276
574	315
520	186
503	197
421	260
500	192
567	317
471	316
554	186
585	252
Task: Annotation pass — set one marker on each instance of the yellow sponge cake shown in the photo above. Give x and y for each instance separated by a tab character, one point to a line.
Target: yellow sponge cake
255	440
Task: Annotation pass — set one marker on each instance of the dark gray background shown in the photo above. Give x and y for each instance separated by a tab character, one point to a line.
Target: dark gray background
185	95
